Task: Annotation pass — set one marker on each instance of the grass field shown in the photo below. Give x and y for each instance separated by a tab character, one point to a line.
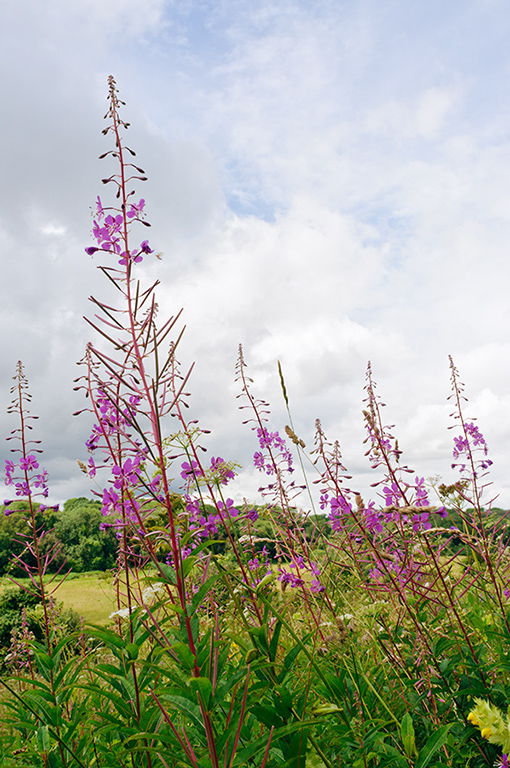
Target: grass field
91	595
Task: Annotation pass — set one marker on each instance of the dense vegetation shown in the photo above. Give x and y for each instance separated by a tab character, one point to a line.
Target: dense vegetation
375	633
74	531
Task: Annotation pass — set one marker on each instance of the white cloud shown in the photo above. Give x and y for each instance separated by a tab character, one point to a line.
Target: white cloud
432	109
53	229
365	153
422	116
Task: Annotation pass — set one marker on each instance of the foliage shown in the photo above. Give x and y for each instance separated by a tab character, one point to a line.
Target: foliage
247	635
75	532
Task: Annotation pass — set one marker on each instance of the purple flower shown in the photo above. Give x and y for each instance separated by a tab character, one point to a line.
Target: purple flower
461	444
136	209
284	577
190	470
155	483
372	519
289	578
40	481
127	257
220	466
273	441
114	223
478	438
107	236
192	508
392	495
422	499
110	501
229	508
421	522
9	469
22	489
339	507
92	442
258	460
128	473
210	525
375	574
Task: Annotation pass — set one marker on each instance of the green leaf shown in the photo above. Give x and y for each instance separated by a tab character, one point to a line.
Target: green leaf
259	637
132	650
273	645
191	710
184	655
187	565
202	592
242	757
168	573
108	637
387	749
175	608
111	670
203	686
313	760
407	733
43	738
44	660
266	715
434	742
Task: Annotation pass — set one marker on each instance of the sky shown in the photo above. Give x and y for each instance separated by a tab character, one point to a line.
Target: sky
329	184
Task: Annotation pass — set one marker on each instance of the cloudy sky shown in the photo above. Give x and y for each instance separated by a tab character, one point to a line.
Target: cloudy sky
329	183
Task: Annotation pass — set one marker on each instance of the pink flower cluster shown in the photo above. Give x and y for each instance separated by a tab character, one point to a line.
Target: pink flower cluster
111	233
22	476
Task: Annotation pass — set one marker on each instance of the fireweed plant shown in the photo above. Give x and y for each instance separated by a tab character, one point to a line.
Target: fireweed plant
359	634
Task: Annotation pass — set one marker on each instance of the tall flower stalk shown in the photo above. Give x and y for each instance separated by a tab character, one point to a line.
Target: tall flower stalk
30	483
132	389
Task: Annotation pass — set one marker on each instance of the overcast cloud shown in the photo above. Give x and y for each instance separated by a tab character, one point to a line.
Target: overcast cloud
329	183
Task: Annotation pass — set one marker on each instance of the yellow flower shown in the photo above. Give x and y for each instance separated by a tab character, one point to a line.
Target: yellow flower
233	650
494	725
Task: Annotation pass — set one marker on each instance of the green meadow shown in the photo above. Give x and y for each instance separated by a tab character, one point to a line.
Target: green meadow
90	595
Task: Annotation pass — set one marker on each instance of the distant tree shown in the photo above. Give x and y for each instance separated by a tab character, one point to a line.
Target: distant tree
13	529
73	533
84	546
